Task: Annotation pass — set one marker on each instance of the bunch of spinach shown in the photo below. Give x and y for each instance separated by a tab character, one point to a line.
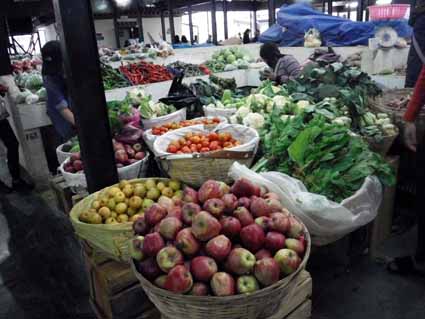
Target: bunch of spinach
326	157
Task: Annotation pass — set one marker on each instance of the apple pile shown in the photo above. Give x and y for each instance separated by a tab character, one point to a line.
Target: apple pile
126	202
125	154
201	143
219	241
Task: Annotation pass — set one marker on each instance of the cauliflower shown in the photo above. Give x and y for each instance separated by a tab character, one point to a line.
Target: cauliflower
280	101
243	111
254	120
136	95
301	105
286	117
269	107
342	120
256	100
234	119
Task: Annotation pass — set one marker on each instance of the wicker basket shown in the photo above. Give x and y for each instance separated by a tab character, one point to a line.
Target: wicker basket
259	305
198	168
383	146
109	239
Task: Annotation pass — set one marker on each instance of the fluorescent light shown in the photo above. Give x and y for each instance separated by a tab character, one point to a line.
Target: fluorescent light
102	5
352	5
380	2
122	3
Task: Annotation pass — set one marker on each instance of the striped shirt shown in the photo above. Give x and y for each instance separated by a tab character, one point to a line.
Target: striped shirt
287	68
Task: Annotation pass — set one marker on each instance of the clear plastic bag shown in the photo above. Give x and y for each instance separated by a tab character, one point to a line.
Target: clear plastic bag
326	220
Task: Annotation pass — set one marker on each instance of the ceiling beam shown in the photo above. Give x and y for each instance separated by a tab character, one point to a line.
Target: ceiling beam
13	9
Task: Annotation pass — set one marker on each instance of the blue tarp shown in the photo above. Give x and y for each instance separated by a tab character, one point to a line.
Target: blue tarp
295	20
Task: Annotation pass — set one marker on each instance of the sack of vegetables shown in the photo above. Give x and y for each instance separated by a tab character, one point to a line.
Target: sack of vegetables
105	218
220	245
194	154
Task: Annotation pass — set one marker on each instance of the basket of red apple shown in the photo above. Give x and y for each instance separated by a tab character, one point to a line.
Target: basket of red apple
131	160
195	154
223	253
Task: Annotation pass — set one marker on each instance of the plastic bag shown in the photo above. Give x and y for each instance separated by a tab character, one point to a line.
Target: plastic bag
31	99
213	111
248	137
177	116
327	221
312	38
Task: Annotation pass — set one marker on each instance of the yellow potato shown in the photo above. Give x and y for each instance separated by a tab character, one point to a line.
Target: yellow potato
135	202
95	204
131	211
113	190
123	218
119	197
123	183
128	190
121	208
105	212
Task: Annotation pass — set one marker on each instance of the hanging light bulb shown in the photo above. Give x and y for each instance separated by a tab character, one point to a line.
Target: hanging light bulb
122	3
102	5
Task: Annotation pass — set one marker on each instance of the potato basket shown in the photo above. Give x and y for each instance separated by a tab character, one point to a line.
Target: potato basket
109	239
262	304
196	168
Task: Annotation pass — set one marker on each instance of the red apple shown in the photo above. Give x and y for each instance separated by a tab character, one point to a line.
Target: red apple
252	237
179	280
135	247
230	203
240	261
274	241
244	188
121	156
186	242
296	229
288	261
279	222
214	206
263	253
169	227
230	226
166	203
190	195
152	244
199	289
212	189
205	226
140	226
274	204
245	202
296	245
78	165
267	271
139	156
155	214
222	284
244	216
263	222
169	257
76	157
176	212
247	284
203	268
189	210
218	247
149	268
259	207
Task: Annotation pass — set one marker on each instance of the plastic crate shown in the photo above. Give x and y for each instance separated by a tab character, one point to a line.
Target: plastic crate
388	11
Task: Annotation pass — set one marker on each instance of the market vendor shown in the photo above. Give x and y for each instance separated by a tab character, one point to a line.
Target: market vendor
58	108
417	21
415	264
283	67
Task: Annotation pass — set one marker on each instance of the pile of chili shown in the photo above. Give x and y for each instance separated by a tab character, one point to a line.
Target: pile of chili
144	72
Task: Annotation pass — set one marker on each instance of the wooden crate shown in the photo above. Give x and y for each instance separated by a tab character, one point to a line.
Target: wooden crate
65	198
114	290
299	306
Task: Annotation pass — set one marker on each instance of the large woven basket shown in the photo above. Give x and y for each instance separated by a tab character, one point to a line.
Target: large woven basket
259	305
198	168
111	240
382	146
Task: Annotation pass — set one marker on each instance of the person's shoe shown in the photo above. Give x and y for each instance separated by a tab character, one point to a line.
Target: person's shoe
20	185
4	188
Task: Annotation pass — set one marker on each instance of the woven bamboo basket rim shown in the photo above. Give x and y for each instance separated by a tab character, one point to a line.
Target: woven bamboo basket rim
76	211
146	284
381	103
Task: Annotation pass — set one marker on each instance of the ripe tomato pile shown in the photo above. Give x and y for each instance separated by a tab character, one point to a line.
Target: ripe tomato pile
159	130
201	143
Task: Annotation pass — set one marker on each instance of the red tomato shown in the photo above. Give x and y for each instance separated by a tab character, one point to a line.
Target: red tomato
179	152
196	139
172	149
205	149
185	149
193	148
198	146
213	145
205	144
213	136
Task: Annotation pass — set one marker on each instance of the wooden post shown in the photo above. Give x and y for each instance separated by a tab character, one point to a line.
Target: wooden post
226	29
255	18
272	12
190	24
214	21
116	28
76	27
140	23
164	34
330	7
360	10
171	18
5	65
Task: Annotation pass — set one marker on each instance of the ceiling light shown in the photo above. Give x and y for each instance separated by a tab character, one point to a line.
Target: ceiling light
122	3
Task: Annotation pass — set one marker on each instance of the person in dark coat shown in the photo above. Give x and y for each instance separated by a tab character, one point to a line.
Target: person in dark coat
246	38
417	21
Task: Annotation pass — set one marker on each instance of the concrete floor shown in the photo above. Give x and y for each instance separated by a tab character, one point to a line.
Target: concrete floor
42	273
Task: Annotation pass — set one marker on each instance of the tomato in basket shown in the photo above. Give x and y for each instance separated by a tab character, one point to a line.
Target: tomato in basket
202	143
160	130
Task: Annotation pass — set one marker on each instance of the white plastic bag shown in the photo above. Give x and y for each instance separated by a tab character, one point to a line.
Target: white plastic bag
177	116
326	220
213	111
312	38
150	138
248	137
